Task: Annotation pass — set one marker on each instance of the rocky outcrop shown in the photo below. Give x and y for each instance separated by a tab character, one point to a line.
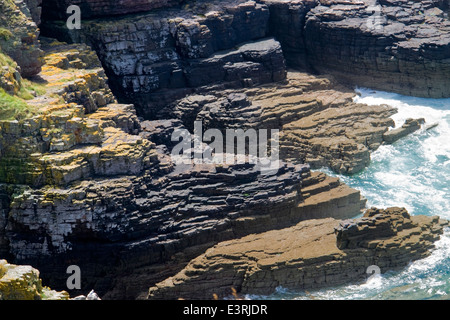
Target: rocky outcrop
19	37
177	71
387	45
10	78
319	122
287	24
399	46
35	8
410	125
312	254
99	189
154	58
84	181
23	283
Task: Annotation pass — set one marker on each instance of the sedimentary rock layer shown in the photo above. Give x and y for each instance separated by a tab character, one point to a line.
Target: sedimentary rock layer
96	191
319	122
85	182
153	58
400	46
312	254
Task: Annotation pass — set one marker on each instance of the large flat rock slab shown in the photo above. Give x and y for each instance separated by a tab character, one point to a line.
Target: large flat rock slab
311	254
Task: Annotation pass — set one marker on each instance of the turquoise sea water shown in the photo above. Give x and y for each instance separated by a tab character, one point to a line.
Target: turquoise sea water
413	173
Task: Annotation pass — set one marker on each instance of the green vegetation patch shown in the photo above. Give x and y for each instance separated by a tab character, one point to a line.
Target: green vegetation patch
13	107
6	60
5	34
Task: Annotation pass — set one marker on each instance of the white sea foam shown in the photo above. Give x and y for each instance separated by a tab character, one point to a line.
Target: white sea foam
413	173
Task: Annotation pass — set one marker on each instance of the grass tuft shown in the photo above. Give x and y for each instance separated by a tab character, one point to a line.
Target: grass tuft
13	107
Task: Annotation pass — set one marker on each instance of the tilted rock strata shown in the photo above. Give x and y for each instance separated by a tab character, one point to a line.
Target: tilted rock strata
157	57
312	254
319	122
399	46
96	192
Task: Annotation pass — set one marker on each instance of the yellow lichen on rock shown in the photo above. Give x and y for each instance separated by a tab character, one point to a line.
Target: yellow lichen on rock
23	283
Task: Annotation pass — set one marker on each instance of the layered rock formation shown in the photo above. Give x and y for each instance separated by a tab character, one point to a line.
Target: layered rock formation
156	57
320	124
399	46
97	194
390	45
84	181
312	254
171	64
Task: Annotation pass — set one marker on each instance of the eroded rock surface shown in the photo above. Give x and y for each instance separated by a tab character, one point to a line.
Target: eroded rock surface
319	122
84	181
19	37
312	254
99	189
400	46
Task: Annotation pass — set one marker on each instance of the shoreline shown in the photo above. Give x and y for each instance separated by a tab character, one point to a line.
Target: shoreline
86	173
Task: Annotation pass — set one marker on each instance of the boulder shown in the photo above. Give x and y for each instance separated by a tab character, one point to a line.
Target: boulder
410	126
22	282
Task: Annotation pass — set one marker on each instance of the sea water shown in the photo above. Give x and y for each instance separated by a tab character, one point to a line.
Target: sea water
414	173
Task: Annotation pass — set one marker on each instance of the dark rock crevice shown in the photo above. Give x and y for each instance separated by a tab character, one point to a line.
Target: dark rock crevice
287	24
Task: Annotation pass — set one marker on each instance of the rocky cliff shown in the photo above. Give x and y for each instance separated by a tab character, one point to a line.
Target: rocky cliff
19	36
311	254
399	46
169	61
82	175
87	180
